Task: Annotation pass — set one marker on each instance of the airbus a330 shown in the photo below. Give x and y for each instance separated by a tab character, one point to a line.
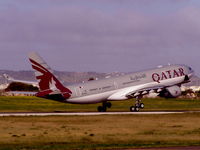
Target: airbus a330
165	81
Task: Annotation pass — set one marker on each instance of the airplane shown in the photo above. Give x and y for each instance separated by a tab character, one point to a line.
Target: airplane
7	77
165	80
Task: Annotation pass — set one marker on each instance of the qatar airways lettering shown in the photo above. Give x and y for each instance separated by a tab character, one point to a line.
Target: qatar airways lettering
157	77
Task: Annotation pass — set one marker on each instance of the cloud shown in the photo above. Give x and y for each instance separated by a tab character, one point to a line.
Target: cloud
93	35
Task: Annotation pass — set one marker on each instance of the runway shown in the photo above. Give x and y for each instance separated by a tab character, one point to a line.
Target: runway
88	113
168	148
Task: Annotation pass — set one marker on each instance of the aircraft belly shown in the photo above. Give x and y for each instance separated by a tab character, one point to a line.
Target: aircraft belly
91	99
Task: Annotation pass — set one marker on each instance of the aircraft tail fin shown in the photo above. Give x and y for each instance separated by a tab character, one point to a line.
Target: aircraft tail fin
50	87
7	77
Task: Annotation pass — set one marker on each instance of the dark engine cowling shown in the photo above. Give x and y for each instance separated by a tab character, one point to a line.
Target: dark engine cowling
171	92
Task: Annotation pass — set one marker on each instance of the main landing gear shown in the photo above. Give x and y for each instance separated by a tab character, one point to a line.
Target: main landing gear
104	107
138	105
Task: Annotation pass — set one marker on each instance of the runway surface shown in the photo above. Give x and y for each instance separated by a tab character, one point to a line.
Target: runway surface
88	113
169	148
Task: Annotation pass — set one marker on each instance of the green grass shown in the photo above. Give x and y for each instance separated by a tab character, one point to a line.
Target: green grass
34	104
99	132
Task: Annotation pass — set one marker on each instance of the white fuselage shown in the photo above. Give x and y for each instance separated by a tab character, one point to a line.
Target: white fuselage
117	88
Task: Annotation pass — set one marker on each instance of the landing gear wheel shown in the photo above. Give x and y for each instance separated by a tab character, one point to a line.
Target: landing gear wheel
104	106
101	109
141	105
108	105
134	109
138	104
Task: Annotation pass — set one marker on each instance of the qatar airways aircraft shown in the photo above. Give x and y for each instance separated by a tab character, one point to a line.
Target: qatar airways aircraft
7	77
165	81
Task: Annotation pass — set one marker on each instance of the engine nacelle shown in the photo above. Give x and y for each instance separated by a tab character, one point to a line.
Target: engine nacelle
171	92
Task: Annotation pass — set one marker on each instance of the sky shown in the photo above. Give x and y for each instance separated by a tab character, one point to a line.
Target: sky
100	35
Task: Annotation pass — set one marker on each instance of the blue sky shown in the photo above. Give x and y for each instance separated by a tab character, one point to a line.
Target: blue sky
100	35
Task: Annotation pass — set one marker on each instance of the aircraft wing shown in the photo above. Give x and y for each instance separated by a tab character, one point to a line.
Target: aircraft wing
144	89
135	91
7	77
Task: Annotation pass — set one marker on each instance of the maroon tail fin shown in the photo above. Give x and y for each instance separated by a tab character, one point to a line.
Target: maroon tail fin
49	85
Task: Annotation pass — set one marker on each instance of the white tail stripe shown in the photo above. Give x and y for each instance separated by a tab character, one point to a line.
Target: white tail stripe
38	67
37	73
43	65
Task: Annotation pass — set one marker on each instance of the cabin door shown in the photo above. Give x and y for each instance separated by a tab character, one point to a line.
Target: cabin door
78	91
115	85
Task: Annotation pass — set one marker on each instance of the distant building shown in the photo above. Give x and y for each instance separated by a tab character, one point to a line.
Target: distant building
19	93
193	88
3	86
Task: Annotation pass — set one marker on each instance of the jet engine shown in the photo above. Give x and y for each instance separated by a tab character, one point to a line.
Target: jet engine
171	92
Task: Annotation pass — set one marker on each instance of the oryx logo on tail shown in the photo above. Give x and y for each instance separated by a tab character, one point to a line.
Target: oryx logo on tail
48	83
52	85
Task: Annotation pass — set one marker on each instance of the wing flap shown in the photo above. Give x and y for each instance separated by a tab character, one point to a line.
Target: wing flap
135	91
145	91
